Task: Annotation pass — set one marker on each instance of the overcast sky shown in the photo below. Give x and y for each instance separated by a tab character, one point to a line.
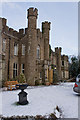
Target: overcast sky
62	15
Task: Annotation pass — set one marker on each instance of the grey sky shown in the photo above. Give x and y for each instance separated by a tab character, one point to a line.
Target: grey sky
62	15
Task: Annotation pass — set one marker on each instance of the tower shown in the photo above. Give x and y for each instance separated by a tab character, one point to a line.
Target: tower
31	46
58	59
45	32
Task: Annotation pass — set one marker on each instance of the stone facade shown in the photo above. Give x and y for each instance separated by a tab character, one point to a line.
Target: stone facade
61	63
27	51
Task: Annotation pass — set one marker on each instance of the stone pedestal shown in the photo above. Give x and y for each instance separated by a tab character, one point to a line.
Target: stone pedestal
23	98
22	95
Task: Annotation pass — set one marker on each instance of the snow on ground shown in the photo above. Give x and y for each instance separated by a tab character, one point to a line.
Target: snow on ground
42	101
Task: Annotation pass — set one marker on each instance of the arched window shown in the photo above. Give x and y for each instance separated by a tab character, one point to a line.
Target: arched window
38	51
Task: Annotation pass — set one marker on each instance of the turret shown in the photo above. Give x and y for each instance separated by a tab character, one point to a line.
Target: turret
58	50
3	22
58	59
32	18
45	33
31	47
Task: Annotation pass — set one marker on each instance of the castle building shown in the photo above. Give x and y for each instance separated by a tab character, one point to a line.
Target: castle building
27	51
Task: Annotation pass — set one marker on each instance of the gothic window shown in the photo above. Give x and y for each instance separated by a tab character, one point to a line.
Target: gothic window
4	45
38	52
15	49
23	66
14	70
23	49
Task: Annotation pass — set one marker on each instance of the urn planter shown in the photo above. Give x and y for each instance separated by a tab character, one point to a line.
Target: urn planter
22	95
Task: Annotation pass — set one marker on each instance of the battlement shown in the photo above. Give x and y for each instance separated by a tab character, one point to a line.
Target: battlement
21	31
32	12
46	25
64	57
3	21
58	50
15	33
26	30
39	33
10	31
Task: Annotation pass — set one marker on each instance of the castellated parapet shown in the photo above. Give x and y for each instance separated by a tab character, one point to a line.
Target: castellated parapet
39	33
10	31
21	31
32	18
64	57
3	21
58	50
32	12
45	25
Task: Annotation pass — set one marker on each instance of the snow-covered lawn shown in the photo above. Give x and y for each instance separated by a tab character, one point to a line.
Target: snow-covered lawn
42	101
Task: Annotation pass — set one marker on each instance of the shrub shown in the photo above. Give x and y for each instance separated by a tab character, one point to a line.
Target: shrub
22	78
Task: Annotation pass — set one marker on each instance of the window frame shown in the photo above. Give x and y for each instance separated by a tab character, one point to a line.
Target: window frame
38	52
15	70
4	45
23	68
23	49
15	49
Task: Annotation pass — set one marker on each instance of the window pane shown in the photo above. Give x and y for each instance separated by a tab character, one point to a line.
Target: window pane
15	49
23	49
13	73
63	63
16	73
38	52
23	66
4	45
16	66
14	70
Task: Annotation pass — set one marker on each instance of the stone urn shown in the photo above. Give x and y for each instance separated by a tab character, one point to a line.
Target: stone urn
22	95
